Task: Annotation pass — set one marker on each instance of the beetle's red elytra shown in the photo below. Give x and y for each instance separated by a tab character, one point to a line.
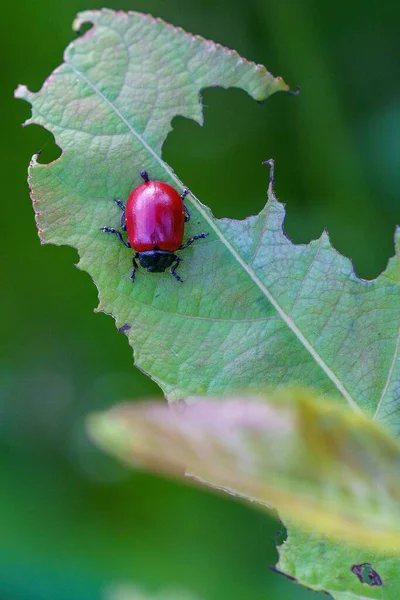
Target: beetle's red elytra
154	219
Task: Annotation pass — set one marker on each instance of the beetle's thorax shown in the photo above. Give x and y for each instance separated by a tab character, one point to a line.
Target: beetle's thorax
156	261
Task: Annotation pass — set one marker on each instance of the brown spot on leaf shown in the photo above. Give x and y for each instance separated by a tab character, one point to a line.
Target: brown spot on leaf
366	574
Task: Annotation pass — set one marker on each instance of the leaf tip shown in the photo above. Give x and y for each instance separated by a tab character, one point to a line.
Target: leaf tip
271	191
282	85
22	92
325	236
109	433
86	16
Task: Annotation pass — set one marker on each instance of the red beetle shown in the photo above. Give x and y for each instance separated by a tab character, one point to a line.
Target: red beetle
154	219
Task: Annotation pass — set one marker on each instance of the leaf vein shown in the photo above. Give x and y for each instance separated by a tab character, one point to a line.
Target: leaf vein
389	377
286	318
306	275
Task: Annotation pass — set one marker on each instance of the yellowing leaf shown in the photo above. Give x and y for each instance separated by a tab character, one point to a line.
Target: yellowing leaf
322	465
131	592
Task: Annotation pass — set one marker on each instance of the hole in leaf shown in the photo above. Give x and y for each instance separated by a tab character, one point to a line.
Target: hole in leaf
366	574
40	141
48	151
221	164
221	161
280	537
84	28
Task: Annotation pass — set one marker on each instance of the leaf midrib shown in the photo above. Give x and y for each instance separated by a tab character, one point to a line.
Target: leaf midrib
201	209
389	377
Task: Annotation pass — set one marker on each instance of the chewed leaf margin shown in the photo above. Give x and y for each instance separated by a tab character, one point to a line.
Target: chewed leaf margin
88	17
258	246
110	274
257	81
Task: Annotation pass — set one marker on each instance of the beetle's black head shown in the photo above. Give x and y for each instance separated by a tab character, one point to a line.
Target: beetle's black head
156	261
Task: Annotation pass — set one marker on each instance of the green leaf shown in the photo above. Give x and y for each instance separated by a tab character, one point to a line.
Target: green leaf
322	465
255	309
322	565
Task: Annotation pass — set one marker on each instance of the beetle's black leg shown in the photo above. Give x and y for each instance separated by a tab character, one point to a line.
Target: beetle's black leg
187	213
117	233
145	176
123	221
119	203
135	266
199	236
174	267
122	207
183	196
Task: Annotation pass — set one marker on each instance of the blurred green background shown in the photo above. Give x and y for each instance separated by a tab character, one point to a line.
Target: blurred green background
72	522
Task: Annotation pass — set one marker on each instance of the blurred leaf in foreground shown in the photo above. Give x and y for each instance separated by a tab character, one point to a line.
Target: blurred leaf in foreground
130	592
321	464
